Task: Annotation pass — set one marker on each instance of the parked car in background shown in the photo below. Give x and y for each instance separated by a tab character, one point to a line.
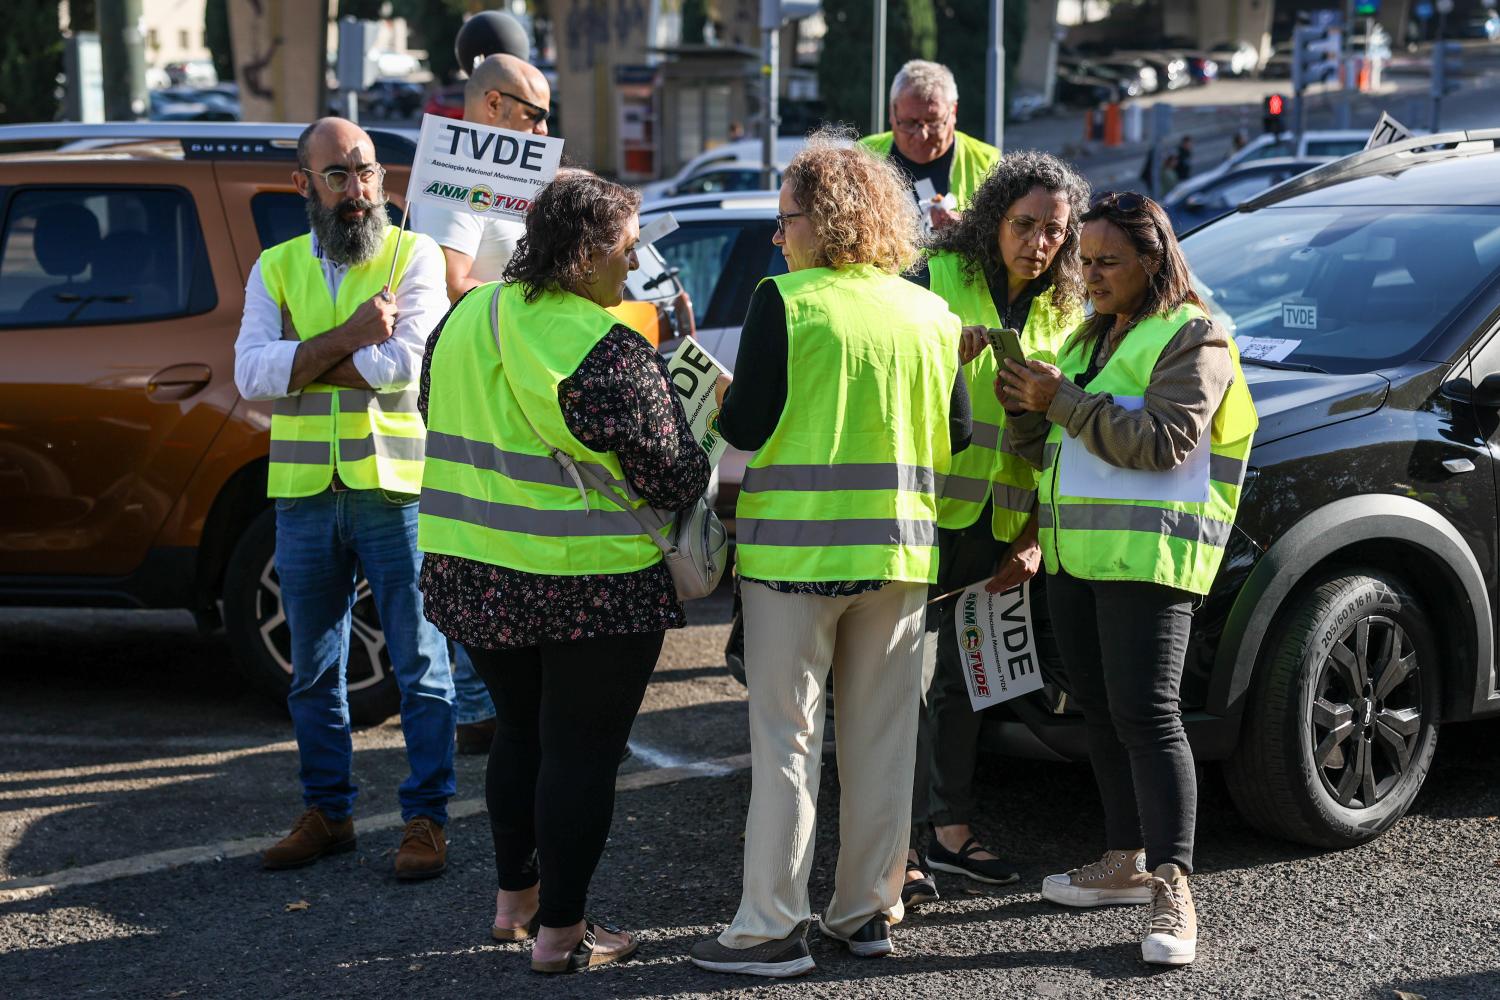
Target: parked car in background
741	151
1236	58
725	178
132	474
1134	76
1171	69
1223	193
1321	144
446	101
393	99
198	104
1479	24
1080	90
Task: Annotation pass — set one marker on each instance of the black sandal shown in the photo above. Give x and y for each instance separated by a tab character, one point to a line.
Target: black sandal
586	955
916	891
991	871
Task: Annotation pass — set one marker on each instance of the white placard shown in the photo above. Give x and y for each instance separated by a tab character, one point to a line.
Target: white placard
655	230
479	168
1387	131
1085	474
1266	348
694	373
997	644
927	199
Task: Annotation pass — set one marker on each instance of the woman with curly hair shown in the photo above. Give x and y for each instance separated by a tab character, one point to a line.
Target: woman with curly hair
1011	262
558	595
847	391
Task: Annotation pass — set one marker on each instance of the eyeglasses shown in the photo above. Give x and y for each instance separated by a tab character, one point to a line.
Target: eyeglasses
781	220
1118	201
337	178
917	126
536	116
1025	229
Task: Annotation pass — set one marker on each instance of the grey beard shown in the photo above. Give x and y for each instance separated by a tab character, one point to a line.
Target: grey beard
348	241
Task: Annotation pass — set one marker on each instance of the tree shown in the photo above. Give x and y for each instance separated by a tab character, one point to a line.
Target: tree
363	10
216	38
83	15
436	24
694	21
963	46
845	64
31	56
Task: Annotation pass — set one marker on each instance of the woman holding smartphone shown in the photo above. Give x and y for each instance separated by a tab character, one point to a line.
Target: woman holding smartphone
1012	262
1140	386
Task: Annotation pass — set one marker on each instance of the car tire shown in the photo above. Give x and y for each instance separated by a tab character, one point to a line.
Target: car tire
1343	719
259	637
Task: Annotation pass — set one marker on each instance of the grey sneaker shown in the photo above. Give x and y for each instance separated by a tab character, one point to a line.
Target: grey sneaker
1120	877
778	959
872	940
1172	937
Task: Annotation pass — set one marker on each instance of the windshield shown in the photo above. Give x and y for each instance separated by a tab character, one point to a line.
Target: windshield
648	282
1343	289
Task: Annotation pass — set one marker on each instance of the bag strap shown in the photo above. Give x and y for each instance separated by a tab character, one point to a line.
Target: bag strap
578	473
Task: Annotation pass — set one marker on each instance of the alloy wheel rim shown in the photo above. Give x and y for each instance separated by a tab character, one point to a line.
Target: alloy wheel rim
369	658
1366	713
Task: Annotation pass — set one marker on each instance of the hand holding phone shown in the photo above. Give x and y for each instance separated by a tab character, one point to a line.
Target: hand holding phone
1006	344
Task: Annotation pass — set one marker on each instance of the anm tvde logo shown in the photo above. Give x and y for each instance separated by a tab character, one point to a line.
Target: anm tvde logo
973	638
481	198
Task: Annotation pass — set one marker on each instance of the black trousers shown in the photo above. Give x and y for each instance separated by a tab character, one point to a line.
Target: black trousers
1123	646
563	715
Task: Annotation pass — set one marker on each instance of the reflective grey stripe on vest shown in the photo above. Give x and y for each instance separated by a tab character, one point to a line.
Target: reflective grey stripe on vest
1130	517
1049	454
966	488
1014	498
404	449
304	404
825	478
985	435
826	534
1230	471
358	401
511	464
525	520
301	452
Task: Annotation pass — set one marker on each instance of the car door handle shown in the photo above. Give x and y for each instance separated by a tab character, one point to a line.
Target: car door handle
178	382
1457	465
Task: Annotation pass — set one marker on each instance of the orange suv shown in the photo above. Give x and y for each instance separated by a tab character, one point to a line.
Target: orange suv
132	474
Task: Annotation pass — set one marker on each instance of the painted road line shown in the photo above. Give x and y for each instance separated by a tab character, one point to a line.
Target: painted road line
16	890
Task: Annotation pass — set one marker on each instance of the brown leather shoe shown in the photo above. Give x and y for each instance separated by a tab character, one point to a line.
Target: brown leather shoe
424	850
312	836
476	737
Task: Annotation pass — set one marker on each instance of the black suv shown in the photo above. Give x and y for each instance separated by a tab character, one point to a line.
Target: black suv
1355	610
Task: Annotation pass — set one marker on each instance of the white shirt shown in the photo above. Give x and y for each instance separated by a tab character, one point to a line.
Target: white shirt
263	360
489	239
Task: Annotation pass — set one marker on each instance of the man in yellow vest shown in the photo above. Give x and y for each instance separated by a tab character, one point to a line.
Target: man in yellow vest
339	353
925	143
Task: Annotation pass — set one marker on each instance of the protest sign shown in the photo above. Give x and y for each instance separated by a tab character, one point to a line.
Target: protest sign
997	644
484	170
1387	131
694	373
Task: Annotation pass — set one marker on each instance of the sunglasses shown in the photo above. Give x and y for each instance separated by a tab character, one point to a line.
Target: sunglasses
1118	201
536	115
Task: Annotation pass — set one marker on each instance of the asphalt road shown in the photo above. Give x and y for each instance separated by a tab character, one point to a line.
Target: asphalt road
122	736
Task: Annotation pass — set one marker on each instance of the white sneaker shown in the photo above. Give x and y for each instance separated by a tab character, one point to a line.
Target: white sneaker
1172	937
1119	878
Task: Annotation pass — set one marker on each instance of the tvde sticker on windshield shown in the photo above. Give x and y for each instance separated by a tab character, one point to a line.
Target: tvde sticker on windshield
1266	348
1299	315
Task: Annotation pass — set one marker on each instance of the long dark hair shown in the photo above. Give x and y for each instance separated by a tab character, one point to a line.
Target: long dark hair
975	241
573	218
1146	225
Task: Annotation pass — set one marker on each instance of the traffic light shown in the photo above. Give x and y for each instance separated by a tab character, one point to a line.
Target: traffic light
1273	114
1315	55
1445	66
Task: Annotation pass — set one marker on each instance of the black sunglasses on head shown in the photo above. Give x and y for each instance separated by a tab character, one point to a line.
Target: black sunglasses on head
1118	201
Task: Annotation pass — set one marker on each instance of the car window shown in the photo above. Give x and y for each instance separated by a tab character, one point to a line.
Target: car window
282	215
1234	190
1280	147
646	283
73	256
700	252
1347	289
1334	147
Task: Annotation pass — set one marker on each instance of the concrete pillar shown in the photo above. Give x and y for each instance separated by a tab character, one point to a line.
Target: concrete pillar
592	38
1037	68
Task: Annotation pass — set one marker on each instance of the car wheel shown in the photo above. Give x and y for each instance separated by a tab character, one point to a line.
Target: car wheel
260	639
1343	721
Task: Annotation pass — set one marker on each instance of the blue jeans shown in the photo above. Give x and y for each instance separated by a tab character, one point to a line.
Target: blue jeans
323	544
470	697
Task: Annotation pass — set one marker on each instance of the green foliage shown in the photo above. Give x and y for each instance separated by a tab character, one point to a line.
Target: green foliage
844	67
216	38
83	15
694	21
31	57
435	24
963	46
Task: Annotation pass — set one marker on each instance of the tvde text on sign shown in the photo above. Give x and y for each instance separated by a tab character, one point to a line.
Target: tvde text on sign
997	644
479	168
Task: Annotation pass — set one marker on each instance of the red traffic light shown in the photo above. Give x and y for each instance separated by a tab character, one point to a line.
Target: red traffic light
1274	104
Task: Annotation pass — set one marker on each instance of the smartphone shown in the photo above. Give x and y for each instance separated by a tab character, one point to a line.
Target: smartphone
1006	344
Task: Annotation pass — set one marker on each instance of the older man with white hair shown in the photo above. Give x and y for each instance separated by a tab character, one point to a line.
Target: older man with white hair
924	140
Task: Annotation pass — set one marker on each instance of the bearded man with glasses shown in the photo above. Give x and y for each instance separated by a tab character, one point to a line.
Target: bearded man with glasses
335	325
924	140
